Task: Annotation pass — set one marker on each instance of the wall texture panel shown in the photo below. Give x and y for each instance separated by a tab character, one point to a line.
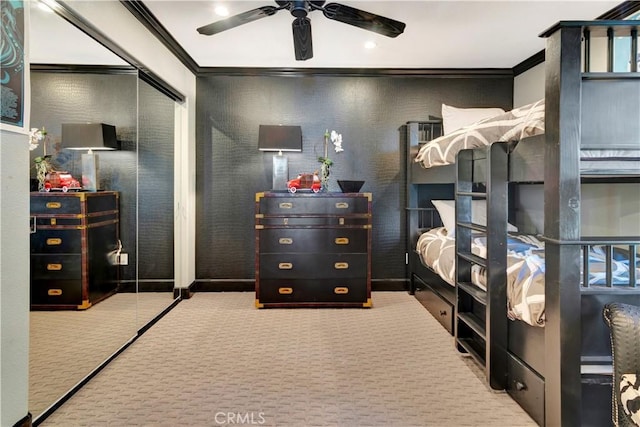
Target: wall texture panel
141	171
367	111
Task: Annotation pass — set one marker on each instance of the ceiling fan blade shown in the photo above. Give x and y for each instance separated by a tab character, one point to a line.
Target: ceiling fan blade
302	39
365	20
236	20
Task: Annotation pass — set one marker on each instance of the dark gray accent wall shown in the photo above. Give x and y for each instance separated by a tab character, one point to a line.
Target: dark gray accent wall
367	111
141	171
156	125
58	98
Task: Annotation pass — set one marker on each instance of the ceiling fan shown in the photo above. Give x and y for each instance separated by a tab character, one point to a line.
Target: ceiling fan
302	24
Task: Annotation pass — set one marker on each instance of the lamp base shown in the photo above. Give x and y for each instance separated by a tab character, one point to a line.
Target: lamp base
90	172
280	172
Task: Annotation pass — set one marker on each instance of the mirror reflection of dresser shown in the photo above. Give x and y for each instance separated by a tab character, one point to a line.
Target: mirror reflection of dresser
74	248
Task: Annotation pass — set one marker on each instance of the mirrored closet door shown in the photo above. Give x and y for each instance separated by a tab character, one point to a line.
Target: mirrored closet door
76	80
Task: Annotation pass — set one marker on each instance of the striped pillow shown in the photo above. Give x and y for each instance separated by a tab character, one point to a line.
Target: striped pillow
510	126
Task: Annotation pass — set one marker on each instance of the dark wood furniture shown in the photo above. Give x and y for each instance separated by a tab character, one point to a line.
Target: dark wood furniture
313	250
624	324
560	374
72	237
436	295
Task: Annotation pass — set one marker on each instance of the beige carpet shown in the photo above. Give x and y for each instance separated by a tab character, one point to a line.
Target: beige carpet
216	360
66	345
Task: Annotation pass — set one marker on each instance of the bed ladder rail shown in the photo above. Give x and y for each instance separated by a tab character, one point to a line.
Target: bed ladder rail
618	254
480	322
612	30
621	254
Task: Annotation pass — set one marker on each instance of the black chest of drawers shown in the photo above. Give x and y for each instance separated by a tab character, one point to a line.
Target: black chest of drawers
72	237
313	250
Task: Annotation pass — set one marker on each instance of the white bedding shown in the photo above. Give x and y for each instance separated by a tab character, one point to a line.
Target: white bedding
513	125
525	272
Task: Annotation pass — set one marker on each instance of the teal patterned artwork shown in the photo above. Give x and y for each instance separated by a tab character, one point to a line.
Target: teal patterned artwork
12	63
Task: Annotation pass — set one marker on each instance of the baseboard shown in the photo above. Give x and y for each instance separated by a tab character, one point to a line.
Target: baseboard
385	285
146	285
248	285
224	285
233	285
184	293
25	422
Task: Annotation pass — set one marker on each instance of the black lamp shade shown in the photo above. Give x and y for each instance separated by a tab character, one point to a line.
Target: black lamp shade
85	136
279	138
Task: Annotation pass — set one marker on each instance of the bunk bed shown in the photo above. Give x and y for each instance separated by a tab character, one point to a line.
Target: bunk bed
559	376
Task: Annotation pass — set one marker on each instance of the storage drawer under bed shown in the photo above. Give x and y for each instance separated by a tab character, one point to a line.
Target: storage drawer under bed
526	388
439	307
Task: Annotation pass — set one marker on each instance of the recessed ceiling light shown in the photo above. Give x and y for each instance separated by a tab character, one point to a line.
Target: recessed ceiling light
221	10
370	45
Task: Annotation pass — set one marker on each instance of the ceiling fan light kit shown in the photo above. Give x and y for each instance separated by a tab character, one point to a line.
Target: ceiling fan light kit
302	42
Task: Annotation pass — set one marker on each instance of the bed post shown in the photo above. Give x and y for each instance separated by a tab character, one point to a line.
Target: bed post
562	225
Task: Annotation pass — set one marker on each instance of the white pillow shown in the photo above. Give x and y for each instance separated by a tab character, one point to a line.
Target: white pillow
454	118
447	211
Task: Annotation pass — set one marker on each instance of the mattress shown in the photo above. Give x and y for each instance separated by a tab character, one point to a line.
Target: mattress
525	273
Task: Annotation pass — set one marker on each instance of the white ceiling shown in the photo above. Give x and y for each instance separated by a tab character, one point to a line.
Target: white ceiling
439	34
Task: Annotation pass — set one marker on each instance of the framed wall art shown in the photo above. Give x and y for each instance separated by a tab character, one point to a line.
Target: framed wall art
14	67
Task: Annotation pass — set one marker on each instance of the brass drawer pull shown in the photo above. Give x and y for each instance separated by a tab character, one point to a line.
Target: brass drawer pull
342	205
285	291
54	267
286	205
54	205
54	241
341	265
54	292
341	290
285	241
285	266
342	241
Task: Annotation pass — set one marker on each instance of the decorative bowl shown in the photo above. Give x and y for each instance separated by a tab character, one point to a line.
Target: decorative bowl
350	186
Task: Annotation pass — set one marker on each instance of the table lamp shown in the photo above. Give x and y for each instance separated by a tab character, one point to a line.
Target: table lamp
91	137
280	138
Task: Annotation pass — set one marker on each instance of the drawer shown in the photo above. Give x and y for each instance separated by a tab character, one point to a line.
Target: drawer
352	220
314	204
56	267
71	203
439	308
299	240
52	292
320	291
75	221
312	265
56	241
55	204
526	387
596	389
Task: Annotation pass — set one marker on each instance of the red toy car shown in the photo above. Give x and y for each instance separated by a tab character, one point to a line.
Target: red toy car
61	181
309	181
